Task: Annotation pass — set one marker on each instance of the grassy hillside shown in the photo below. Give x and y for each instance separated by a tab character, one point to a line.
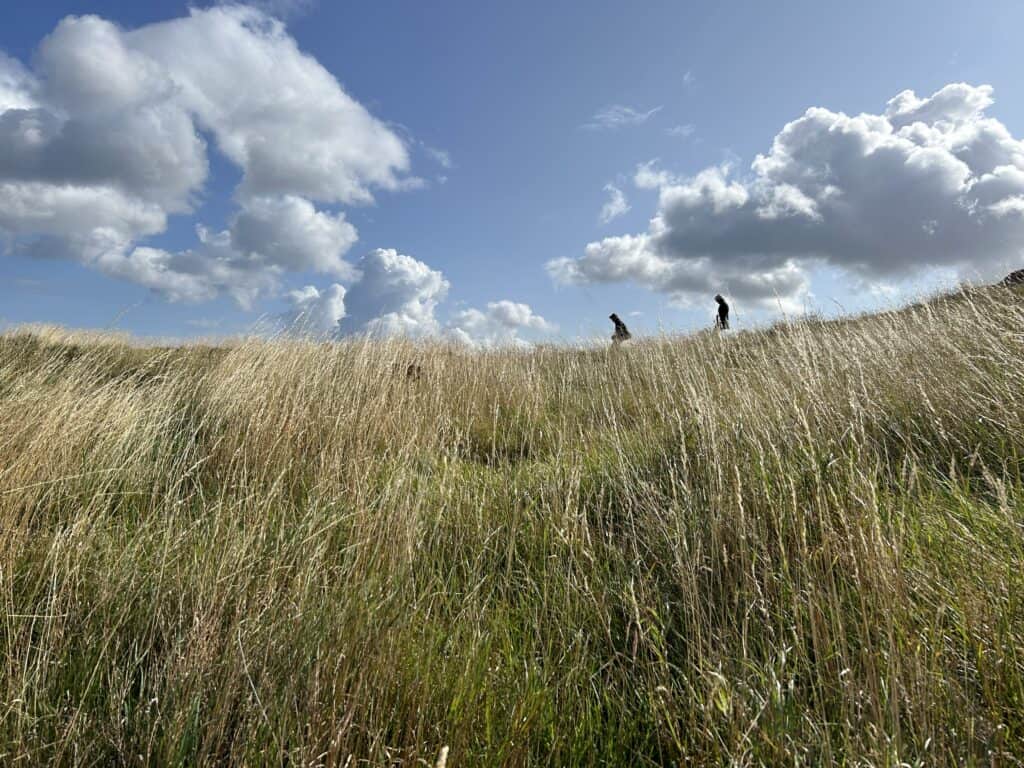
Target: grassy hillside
797	546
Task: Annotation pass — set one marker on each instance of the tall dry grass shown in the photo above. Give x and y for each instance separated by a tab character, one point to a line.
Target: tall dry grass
798	546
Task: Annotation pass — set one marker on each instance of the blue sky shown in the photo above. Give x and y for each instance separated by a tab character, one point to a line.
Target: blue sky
500	109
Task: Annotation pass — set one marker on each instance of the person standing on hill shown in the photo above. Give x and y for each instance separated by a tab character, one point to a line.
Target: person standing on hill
621	331
722	323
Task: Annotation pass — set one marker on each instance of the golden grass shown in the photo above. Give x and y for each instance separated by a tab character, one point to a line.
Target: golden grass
801	545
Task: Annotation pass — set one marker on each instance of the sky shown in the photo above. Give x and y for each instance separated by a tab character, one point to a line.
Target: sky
500	173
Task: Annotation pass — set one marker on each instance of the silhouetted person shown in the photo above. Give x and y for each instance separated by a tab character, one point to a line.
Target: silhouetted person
621	331
1014	278
722	323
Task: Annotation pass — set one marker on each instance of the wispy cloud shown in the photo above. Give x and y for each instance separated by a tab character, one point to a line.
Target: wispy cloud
689	78
440	156
681	131
618	116
281	9
616	204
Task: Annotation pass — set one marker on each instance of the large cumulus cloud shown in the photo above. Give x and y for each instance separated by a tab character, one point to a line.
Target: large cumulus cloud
104	138
391	294
499	324
394	295
397	295
928	183
314	311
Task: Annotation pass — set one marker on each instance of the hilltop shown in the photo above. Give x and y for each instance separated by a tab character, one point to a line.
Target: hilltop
798	545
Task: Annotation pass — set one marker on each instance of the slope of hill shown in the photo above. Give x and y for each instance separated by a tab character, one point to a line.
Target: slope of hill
801	545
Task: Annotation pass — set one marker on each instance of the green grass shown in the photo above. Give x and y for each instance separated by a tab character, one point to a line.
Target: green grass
797	546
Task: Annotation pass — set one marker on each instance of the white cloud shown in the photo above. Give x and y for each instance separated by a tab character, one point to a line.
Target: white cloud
316	312
649	176
276	112
619	116
267	238
197	274
616	205
930	184
397	295
689	78
282	9
684	131
16	85
104	139
498	325
102	119
394	294
957	102
294	235
440	156
88	218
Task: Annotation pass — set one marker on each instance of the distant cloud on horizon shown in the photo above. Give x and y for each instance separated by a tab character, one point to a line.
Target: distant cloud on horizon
398	295
499	324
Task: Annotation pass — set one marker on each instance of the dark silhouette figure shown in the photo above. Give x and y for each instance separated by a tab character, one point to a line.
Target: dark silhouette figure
722	323
1014	278
621	331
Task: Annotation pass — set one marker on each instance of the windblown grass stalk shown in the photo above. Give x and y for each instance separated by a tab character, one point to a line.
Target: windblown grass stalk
802	545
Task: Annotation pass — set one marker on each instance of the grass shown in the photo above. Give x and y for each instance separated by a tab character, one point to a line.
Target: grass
799	546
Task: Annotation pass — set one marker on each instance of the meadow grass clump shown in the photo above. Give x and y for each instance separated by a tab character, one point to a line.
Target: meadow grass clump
800	545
